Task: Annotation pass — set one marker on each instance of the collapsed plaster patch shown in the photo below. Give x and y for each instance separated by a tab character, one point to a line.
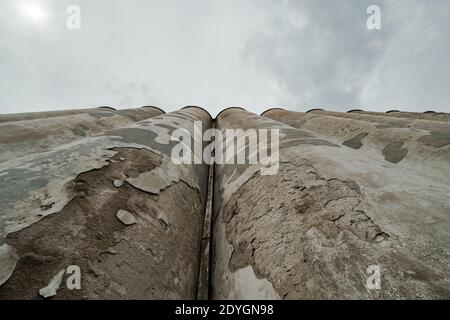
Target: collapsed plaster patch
250	287
437	139
40	135
8	260
294	201
230	184
163	176
40	185
314	142
52	288
140	260
79	132
68	180
393	152
117	183
126	217
355	142
161	128
237	284
100	115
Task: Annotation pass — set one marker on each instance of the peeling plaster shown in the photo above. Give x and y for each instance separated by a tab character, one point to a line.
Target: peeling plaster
8	260
163	176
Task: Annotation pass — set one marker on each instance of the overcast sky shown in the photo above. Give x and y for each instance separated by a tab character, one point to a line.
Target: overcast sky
257	54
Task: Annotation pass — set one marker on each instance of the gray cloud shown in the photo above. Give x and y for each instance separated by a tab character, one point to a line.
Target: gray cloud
257	54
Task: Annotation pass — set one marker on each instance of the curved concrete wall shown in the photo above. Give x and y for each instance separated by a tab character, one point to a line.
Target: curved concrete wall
20	138
46	114
392	139
353	191
312	230
434	116
115	205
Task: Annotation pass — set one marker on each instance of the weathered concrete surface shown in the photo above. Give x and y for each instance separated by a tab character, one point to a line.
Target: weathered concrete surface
353	190
431	115
395	139
59	208
46	114
28	136
313	229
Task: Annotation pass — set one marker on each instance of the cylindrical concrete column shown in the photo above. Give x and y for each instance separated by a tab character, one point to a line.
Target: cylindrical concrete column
24	137
392	139
47	114
115	206
331	223
429	115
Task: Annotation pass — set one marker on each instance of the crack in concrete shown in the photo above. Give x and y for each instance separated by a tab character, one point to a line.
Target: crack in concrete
330	206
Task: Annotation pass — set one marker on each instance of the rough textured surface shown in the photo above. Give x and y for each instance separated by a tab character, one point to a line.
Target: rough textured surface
143	264
70	215
52	288
126	217
44	114
355	142
313	229
435	116
393	152
353	190
27	135
423	137
8	260
329	209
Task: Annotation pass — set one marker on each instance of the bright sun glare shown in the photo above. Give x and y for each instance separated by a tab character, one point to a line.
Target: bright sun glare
33	11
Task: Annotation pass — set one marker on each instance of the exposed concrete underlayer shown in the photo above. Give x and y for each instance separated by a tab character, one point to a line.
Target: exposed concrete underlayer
28	136
431	115
312	230
59	208
381	135
353	190
44	114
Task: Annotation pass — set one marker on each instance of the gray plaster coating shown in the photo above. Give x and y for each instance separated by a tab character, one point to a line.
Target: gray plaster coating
352	190
437	138
423	139
8	260
313	229
45	114
69	187
393	152
355	142
20	138
434	116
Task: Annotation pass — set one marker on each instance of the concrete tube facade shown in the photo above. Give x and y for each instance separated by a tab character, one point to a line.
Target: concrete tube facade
398	140
46	114
20	138
351	206
115	206
326	222
430	115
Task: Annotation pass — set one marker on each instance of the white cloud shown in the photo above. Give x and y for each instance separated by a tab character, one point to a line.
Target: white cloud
214	53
